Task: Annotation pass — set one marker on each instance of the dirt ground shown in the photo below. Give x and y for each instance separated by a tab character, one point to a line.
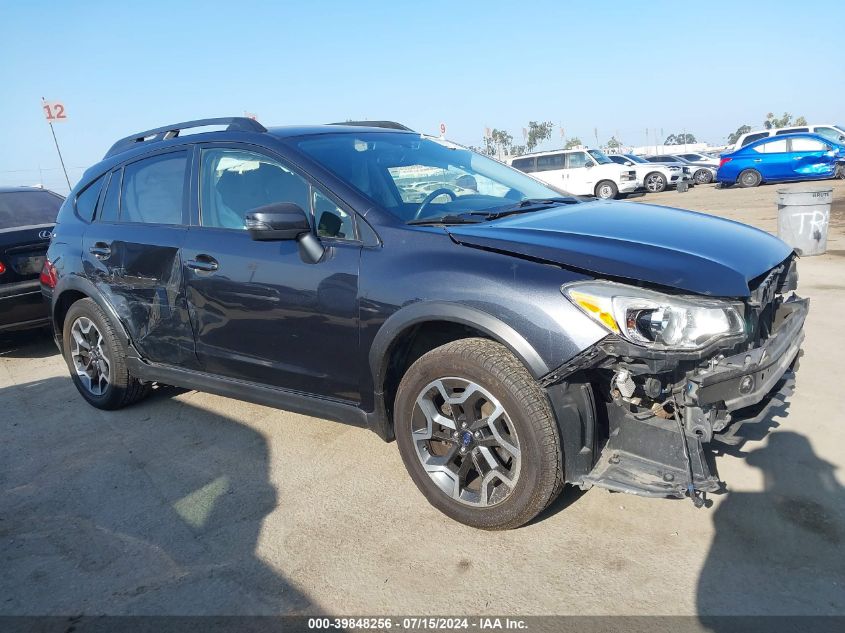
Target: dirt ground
190	503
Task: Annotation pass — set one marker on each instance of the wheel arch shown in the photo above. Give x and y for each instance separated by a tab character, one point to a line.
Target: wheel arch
74	289
416	329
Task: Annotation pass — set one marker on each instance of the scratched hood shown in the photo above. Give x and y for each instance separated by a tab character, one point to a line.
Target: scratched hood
680	249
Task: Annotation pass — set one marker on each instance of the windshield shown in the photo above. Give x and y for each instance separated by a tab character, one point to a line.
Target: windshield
600	157
28	208
415	177
635	159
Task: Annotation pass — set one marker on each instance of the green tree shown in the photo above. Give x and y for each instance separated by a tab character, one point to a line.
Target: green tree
572	142
680	139
537	133
613	143
742	129
773	122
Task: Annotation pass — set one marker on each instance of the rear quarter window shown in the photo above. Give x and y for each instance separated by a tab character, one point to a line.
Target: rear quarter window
28	208
86	200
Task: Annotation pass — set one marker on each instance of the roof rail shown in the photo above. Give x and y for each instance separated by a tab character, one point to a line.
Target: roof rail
172	131
390	125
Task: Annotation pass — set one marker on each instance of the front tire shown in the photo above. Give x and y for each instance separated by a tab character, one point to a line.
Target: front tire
703	176
606	190
97	358
749	178
478	436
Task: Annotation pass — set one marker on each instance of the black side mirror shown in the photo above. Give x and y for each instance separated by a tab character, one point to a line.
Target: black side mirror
285	221
280	221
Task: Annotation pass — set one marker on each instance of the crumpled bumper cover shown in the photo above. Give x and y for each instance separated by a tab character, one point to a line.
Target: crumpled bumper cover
645	455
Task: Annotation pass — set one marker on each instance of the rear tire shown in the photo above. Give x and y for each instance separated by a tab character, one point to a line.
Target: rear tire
749	178
655	182
489	456
97	358
606	190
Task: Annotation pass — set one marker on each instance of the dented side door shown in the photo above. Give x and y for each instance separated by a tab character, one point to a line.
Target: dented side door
137	267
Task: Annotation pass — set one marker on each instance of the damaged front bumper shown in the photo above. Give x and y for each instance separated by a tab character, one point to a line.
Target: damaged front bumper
655	443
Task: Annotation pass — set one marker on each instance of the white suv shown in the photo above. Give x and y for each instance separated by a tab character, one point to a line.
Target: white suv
582	172
835	133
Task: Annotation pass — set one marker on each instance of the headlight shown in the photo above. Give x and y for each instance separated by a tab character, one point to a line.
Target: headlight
654	319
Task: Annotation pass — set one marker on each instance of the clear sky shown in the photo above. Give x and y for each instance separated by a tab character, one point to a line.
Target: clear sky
621	67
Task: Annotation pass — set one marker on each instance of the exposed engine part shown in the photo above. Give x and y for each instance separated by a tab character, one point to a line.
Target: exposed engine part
624	383
652	387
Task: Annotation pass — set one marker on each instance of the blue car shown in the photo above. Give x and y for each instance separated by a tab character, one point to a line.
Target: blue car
782	158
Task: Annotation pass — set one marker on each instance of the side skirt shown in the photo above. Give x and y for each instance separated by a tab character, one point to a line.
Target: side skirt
286	399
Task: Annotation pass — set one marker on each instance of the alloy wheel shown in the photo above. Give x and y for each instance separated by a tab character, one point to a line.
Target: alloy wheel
466	442
653	183
88	353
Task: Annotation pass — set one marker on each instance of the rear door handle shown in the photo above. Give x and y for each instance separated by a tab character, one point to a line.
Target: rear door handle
757	160
100	250
203	262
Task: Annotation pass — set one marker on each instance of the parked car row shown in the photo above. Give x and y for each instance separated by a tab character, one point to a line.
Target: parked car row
590	172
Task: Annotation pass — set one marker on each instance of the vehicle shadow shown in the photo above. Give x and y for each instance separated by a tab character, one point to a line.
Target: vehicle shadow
37	343
155	509
779	551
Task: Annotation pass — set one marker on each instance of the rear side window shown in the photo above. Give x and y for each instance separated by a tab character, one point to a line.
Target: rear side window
28	208
753	137
792	130
86	200
771	147
153	189
545	163
524	164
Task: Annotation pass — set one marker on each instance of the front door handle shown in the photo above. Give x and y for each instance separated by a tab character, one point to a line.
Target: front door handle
100	250
757	160
205	263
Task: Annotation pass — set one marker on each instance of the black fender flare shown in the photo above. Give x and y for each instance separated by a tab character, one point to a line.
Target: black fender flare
86	287
421	312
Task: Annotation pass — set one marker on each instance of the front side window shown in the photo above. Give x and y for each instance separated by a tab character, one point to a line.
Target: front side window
153	189
600	157
330	219
576	160
830	134
234	182
808	145
416	177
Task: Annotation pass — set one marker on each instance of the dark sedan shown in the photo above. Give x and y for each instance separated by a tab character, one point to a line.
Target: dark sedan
27	217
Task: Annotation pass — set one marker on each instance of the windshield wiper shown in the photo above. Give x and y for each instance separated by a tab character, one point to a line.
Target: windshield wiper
474	217
448	219
526	206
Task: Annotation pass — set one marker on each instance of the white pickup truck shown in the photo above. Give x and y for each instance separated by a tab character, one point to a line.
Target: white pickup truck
581	172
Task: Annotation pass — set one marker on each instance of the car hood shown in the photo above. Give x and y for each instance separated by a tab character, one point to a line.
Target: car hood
669	247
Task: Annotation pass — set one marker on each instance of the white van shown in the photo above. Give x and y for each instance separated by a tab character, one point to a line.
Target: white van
581	172
835	133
